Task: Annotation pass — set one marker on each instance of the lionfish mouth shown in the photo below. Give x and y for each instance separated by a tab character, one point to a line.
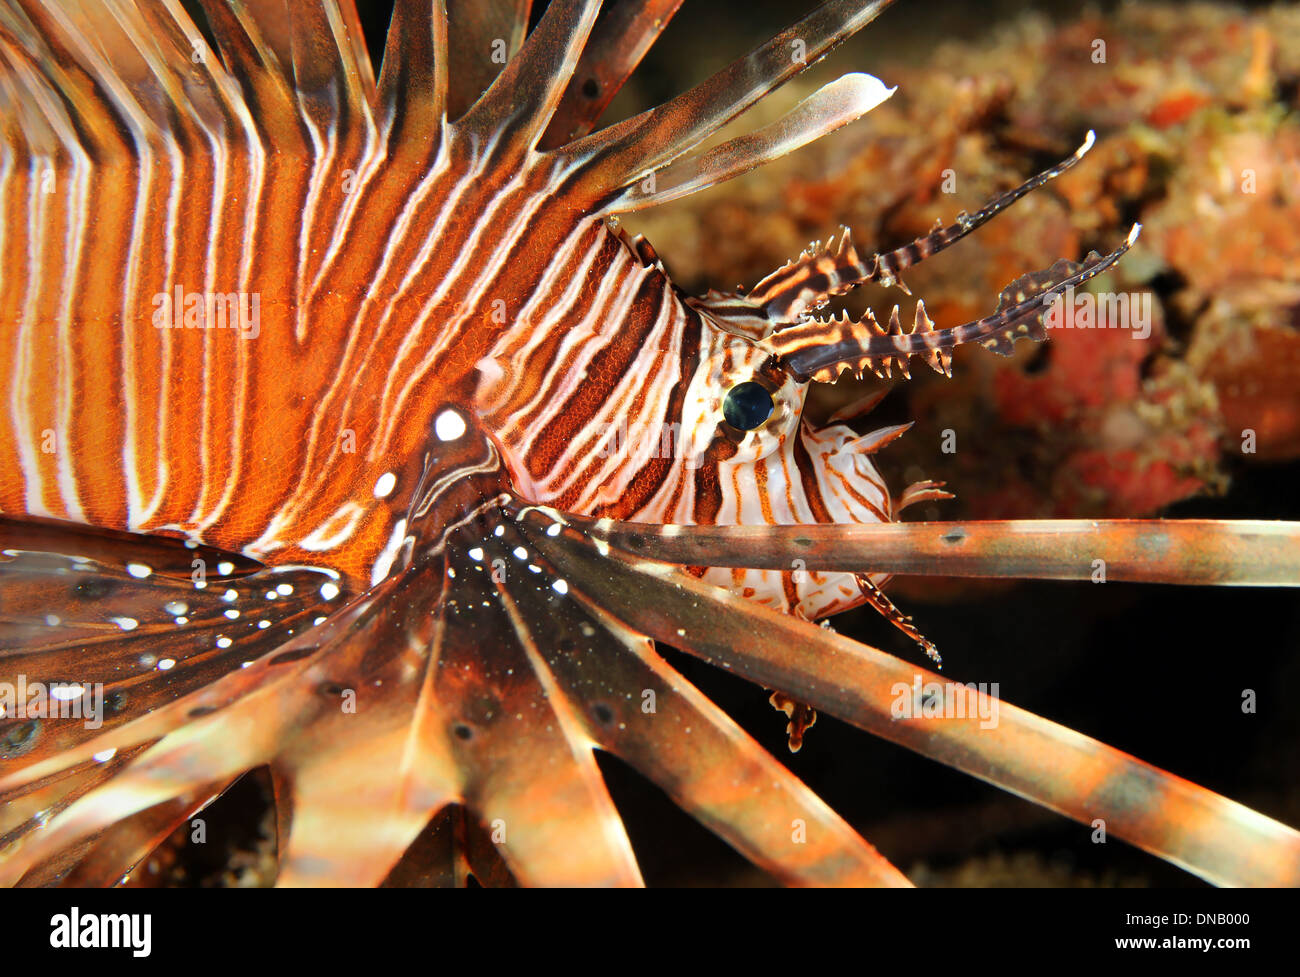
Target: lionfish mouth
425	659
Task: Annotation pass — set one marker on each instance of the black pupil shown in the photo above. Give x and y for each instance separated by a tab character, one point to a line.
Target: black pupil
747	405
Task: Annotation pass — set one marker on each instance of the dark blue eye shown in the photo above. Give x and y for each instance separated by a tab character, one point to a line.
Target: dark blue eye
747	406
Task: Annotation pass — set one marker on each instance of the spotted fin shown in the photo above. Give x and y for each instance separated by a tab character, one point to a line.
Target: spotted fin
146	620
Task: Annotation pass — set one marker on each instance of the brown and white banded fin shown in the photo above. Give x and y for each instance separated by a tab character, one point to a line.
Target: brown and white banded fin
482	37
249	55
1177	819
688	736
542	69
622	154
887	609
831	107
926	491
319	45
351	41
891	264
346	58
1188	552
822	350
871	443
81	65
261	45
620	39
546	628
808	282
819	275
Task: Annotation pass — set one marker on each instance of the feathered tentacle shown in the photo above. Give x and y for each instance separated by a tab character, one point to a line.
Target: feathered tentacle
822	272
822	349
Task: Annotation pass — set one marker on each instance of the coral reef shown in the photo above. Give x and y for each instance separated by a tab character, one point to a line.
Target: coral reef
1198	139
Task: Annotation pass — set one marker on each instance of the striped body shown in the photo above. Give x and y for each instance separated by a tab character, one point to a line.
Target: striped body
174	428
163	429
384	283
618	415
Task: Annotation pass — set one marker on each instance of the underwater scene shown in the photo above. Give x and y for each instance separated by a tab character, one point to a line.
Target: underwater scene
483	443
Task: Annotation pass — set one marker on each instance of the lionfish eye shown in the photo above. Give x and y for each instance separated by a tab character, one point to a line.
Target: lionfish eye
747	405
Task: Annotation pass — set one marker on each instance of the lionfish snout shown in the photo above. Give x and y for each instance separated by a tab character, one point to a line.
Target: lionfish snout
763	464
750	457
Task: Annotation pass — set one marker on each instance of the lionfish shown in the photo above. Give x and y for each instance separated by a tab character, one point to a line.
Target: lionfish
346	435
